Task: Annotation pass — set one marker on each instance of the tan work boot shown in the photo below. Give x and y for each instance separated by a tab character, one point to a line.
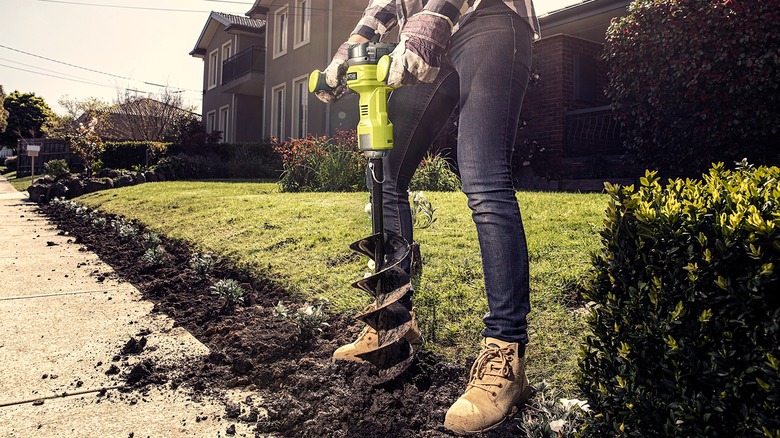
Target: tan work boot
497	384
367	341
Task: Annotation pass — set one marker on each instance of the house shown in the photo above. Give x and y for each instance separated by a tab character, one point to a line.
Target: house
567	112
233	51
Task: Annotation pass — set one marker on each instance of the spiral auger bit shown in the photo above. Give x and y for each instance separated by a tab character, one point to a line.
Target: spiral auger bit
367	74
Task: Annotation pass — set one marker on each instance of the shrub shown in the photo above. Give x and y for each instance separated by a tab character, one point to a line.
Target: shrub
322	164
232	160
132	154
697	81
685	308
87	145
11	163
56	168
434	174
185	167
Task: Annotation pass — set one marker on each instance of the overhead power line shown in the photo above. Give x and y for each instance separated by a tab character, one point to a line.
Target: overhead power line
96	71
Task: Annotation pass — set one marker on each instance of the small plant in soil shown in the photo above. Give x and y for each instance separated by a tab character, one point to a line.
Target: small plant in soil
230	290
203	263
154	256
125	231
99	222
549	415
310	319
150	241
422	210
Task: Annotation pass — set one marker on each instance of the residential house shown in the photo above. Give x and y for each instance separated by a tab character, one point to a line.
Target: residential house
303	35
233	51
567	112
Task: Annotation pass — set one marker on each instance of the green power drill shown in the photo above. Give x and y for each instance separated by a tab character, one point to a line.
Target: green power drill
375	131
369	65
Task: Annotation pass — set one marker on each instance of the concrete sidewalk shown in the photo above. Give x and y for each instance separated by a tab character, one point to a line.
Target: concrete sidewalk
63	320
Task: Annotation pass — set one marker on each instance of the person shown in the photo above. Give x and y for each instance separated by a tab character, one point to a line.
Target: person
474	55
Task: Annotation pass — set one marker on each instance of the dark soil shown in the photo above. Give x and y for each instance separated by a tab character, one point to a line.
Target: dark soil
305	394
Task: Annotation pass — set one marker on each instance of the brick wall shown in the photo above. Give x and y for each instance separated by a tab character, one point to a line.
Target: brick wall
547	102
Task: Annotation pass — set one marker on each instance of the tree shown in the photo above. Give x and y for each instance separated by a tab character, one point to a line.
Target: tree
696	81
3	111
78	112
28	117
135	117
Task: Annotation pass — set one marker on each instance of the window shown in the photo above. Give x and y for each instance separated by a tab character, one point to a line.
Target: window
224	123
211	121
300	107
281	19
584	78
277	111
302	22
227	52
213	65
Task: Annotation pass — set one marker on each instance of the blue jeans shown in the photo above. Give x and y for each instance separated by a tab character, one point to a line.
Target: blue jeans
485	74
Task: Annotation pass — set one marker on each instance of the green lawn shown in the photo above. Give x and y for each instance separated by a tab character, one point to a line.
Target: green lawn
19	184
302	242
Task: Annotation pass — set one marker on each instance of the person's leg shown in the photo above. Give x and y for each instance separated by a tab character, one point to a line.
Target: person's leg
418	114
492	55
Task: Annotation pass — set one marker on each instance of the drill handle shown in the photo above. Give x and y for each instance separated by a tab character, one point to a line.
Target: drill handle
383	68
317	82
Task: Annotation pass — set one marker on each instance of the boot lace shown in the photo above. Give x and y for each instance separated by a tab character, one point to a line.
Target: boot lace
492	362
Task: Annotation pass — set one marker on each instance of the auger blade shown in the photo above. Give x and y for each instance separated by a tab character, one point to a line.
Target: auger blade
391	322
387	285
396	248
390	356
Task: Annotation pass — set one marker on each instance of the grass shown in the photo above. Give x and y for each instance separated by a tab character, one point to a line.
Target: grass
19	184
301	241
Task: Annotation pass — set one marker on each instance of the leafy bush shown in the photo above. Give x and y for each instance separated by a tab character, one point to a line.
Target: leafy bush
434	174
322	164
88	145
696	81
185	167
130	154
685	309
56	168
234	160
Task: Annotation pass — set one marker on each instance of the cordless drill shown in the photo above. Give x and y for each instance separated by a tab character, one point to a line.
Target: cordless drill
375	131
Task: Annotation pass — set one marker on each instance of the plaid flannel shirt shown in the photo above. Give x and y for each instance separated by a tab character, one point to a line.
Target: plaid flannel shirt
382	15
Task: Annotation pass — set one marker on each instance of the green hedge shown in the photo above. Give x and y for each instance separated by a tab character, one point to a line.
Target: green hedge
685	312
223	160
130	154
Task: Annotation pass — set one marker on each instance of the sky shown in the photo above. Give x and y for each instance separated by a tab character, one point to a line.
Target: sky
80	49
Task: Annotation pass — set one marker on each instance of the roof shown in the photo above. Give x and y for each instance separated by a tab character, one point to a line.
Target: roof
229	23
587	19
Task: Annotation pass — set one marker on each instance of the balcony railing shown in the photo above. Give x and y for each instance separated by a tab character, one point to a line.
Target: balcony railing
592	128
249	60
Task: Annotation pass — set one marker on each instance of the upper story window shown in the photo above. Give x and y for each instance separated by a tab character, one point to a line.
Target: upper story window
281	23
227	52
213	69
302	22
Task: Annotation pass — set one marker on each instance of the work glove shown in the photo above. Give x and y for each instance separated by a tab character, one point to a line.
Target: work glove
336	76
417	57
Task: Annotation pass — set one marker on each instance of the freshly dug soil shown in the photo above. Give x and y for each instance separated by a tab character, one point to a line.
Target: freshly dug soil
304	393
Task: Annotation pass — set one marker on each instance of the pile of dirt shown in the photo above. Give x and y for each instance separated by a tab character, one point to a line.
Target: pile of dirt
302	391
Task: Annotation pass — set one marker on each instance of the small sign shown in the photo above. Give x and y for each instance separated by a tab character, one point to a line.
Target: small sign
32	150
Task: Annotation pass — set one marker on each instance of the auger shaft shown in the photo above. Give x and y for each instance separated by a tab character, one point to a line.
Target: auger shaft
389	283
